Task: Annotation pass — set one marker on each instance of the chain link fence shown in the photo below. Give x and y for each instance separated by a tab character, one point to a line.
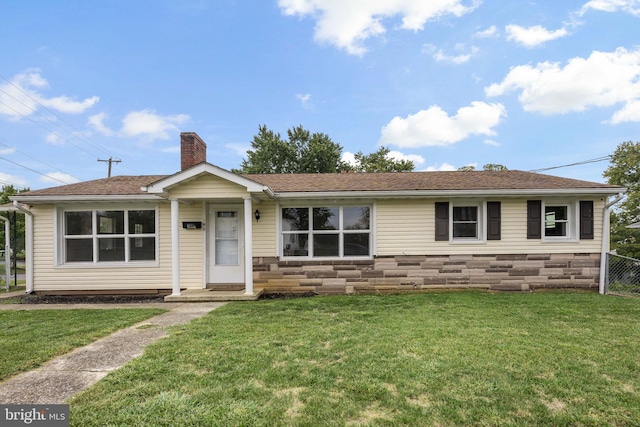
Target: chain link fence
622	275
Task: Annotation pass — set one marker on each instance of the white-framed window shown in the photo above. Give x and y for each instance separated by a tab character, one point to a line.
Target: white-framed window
109	235
326	231
467	221
559	220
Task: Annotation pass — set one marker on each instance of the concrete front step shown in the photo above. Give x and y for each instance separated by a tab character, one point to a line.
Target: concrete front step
202	295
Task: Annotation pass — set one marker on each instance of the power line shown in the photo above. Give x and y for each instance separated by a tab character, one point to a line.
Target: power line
19	187
74	131
77	132
584	162
48	130
33	158
110	160
33	170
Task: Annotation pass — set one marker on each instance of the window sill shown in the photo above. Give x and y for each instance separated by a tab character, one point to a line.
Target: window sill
560	240
98	265
350	258
467	242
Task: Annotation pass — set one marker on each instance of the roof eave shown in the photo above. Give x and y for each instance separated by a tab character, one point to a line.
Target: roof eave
84	198
448	193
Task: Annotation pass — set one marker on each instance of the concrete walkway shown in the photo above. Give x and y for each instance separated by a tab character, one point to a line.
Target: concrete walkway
61	378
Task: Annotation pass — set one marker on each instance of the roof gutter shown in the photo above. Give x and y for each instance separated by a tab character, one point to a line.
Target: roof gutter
84	198
444	193
28	244
606	230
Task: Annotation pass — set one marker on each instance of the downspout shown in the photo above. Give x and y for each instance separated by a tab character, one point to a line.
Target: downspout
605	241
7	249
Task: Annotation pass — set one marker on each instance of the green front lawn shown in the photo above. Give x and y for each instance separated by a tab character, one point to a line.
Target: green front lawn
29	338
467	358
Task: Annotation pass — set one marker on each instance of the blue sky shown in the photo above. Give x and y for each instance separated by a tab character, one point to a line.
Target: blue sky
445	83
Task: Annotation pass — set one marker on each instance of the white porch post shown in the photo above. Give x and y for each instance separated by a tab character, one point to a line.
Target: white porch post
248	243
7	248
175	247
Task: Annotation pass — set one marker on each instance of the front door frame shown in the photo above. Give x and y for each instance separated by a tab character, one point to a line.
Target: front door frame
212	208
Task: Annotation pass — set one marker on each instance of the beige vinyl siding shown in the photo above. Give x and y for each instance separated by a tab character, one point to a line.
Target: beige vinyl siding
404	227
49	277
407	227
264	231
209	187
191	247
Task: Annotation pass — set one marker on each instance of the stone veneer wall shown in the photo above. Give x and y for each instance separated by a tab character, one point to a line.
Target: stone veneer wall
395	273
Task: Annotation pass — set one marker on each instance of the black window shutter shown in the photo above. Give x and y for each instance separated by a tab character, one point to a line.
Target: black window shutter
442	221
586	219
534	219
493	221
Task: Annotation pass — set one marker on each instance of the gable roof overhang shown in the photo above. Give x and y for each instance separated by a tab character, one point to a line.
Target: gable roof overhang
163	186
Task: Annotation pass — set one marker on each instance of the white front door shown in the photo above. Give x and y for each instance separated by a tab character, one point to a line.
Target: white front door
226	244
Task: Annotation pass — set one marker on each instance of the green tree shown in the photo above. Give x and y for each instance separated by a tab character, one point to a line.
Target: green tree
306	152
303	152
494	167
380	161
5	192
487	167
624	170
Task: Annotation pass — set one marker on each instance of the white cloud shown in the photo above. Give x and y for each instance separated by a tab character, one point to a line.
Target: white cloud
434	126
443	167
492	142
455	59
56	177
533	36
20	97
97	123
347	24
349	157
629	113
150	126
239	149
490	32
9	150
54	139
305	100
604	79
15	180
64	104
171	149
628	6
415	158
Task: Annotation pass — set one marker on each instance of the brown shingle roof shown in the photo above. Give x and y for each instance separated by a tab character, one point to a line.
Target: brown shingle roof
345	182
114	186
404	181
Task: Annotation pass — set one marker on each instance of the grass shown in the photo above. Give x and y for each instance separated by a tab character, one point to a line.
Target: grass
466	358
30	338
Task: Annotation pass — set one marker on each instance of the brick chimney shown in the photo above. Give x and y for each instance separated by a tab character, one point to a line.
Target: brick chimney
193	150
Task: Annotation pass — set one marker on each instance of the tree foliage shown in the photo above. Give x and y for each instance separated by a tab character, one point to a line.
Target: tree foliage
624	170
487	167
380	161
303	152
5	192
306	152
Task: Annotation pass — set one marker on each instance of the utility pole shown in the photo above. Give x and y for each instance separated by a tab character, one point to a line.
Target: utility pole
110	161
